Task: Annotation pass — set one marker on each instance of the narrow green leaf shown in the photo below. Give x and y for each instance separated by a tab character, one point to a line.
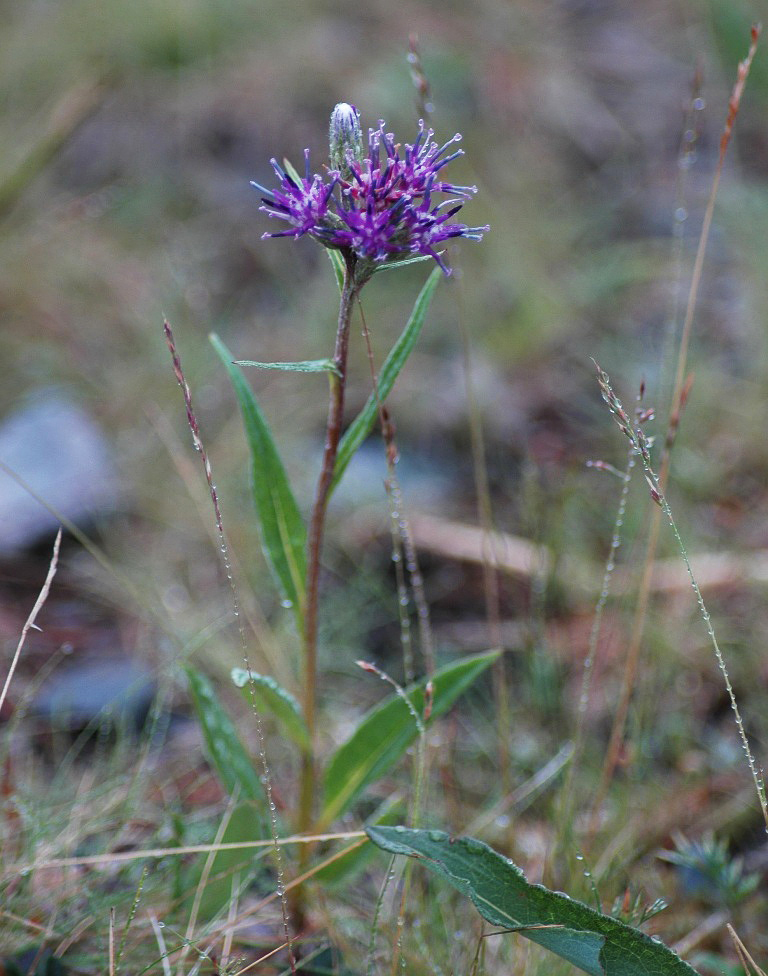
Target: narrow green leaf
337	263
364	423
283	533
225	750
307	366
387	730
275	699
596	943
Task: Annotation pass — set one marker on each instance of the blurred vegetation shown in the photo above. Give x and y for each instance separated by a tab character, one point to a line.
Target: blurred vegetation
128	137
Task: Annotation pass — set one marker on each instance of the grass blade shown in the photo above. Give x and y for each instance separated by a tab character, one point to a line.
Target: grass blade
305	366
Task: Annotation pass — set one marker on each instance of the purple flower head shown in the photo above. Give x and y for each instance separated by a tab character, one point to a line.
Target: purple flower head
376	206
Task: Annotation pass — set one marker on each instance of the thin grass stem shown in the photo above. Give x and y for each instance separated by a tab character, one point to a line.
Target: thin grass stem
676	407
30	621
225	555
640	445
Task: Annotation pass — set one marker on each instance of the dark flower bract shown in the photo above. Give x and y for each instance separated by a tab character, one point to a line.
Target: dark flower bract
377	205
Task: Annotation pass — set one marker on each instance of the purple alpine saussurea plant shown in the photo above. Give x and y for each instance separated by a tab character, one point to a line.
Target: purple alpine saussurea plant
379	205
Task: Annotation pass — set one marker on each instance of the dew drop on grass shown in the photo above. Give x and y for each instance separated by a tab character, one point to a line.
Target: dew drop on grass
435	835
286	604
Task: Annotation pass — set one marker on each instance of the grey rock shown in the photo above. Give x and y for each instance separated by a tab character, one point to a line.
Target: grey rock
58	451
93	693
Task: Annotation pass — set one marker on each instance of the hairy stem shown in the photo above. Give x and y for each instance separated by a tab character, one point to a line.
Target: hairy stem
315	540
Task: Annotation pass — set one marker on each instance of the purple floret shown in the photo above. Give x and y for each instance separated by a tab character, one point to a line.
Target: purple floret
382	209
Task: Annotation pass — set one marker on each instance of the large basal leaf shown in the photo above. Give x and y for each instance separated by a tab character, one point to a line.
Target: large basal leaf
273	698
364	422
283	533
387	730
596	943
225	750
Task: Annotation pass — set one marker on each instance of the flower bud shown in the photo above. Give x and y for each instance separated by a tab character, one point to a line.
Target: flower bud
345	138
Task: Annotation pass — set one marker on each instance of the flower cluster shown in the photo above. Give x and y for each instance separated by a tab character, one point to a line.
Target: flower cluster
377	205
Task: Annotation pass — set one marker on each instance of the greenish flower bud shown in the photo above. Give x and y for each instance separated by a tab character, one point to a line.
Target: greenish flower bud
345	138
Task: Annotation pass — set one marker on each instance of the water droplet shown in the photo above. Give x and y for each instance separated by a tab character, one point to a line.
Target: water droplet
161	925
436	835
579	857
699	104
286	604
472	846
681	214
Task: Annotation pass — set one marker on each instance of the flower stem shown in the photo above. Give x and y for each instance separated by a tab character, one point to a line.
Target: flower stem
333	429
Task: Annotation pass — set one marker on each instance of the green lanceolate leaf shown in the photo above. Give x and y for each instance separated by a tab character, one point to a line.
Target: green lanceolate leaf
283	533
273	698
364	423
385	733
596	943
307	366
225	750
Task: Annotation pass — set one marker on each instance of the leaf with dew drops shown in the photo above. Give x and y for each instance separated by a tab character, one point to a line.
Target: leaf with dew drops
596	943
